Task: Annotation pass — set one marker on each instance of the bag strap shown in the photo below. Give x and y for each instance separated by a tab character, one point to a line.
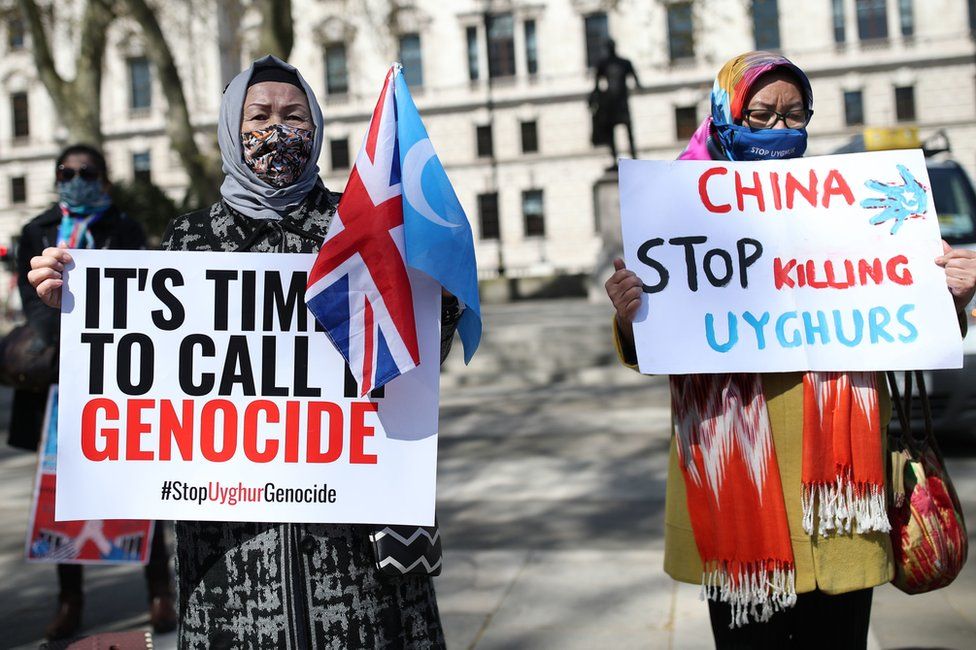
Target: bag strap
926	407
898	439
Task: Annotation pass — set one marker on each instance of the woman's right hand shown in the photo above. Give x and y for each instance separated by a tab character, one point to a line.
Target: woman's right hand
625	290
45	274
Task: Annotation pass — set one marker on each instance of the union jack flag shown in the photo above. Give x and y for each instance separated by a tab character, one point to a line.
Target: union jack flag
358	288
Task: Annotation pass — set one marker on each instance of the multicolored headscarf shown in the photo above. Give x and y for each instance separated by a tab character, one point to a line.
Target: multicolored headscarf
729	93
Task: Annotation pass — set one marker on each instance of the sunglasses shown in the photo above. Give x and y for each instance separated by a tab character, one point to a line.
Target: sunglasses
65	174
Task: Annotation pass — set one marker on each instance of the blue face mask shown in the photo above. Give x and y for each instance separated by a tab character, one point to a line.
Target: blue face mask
84	197
743	143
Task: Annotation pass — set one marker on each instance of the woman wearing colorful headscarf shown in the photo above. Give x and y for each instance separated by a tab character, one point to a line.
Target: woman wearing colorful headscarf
275	585
83	217
796	560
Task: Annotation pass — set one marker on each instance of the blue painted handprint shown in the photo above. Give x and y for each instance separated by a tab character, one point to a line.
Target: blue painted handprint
900	202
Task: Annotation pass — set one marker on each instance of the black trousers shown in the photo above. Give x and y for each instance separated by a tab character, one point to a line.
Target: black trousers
158	579
817	621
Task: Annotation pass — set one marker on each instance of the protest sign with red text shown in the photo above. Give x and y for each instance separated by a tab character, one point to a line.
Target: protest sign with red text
92	541
820	263
198	386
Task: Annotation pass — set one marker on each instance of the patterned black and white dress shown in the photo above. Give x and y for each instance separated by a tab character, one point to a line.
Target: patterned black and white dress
268	585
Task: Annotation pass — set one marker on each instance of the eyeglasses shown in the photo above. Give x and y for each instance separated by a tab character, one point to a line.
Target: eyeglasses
763	118
65	174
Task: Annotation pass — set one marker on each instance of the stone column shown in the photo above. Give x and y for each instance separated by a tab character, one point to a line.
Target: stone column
606	203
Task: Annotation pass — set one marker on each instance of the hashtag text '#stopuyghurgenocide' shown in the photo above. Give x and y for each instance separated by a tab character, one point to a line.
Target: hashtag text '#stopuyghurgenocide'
232	495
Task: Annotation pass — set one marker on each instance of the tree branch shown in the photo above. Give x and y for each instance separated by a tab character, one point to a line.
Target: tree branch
41	50
78	101
203	184
277	28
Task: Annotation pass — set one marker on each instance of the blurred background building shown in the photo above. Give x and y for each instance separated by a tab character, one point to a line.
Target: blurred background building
502	86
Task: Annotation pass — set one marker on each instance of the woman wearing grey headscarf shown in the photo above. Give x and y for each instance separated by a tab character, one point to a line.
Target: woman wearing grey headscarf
265	585
268	585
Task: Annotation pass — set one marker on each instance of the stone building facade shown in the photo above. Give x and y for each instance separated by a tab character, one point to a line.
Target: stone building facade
503	88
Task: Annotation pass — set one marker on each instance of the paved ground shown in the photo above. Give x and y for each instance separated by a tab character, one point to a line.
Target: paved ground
551	498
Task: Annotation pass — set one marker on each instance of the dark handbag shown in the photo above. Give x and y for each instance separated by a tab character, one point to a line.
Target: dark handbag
407	550
27	361
928	531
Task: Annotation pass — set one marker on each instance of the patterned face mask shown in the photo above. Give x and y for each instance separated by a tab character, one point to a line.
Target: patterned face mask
278	154
83	197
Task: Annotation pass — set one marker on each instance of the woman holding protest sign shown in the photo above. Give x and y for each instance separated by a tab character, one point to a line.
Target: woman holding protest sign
272	585
788	559
83	217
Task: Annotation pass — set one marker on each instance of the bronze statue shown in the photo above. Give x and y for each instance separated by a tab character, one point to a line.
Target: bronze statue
609	104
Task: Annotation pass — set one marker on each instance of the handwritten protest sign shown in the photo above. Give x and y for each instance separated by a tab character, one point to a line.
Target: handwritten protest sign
96	541
197	386
823	263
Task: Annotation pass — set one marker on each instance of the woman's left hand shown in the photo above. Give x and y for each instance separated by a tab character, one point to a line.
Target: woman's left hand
960	269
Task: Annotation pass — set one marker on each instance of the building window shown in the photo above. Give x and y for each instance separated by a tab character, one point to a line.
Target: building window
972	15
872	19
501	45
142	167
765	24
530	137
336	70
681	35
853	108
413	69
840	31
906	17
685	121
339	154
18	189
597	33
531	48
905	103
15	34
140	83
488	215
21	115
486	147
472	35
532	212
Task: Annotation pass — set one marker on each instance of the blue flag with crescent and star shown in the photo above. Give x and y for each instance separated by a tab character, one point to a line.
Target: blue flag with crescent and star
437	235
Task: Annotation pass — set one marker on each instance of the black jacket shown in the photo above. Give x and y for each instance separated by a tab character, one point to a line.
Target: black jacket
113	230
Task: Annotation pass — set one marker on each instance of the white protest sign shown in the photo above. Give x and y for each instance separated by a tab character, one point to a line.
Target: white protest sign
196	386
821	263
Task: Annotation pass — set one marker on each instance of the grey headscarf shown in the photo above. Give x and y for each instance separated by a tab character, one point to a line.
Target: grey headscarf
242	190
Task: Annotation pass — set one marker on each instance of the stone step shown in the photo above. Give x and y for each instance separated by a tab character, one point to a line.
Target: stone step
536	343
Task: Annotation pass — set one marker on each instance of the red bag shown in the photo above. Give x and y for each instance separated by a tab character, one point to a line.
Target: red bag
928	531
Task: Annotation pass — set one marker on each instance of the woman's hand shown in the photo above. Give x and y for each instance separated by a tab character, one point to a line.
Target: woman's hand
625	290
45	274
960	270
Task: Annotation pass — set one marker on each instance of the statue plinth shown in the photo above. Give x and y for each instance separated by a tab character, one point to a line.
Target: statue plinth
606	201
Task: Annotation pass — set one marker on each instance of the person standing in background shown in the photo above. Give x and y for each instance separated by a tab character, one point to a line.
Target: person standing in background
83	217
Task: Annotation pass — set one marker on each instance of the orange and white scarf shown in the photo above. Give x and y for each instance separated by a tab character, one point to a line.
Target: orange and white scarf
735	497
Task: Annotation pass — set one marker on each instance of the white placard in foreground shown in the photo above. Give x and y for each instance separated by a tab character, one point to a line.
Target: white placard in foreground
821	263
195	386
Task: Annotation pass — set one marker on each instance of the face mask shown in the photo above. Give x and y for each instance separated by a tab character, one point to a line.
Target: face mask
81	196
742	143
278	154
